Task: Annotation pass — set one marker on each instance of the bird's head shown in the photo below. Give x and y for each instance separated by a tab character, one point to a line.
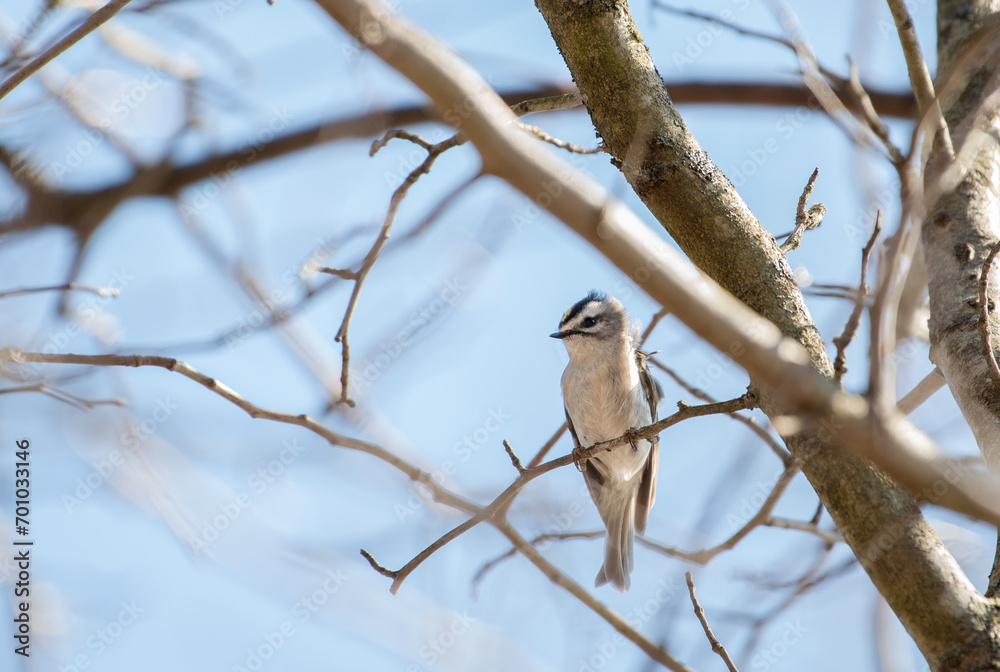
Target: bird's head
595	322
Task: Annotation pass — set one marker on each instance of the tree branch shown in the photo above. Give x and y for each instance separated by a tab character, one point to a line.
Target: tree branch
700	613
92	23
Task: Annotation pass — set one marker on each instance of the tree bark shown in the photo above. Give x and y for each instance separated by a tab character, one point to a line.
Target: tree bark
954	626
959	232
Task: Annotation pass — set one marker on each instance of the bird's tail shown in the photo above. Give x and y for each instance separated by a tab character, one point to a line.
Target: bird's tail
619	544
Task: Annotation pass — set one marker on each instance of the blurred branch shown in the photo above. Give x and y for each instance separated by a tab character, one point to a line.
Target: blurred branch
920	77
763	514
765	436
811	528
67	287
544	450
92	23
930	384
73	400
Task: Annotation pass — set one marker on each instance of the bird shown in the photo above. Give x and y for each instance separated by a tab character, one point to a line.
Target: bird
608	392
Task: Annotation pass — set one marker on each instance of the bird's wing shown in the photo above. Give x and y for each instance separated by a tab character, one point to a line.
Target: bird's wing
647	485
591	474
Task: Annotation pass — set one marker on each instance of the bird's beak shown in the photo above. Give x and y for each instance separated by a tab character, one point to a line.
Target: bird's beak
562	334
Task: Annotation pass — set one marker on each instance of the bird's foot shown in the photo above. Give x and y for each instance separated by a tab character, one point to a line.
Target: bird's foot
632	438
578	459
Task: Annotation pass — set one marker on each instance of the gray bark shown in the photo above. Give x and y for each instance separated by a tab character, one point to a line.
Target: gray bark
959	232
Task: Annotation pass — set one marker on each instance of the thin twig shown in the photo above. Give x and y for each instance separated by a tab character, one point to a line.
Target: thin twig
985	305
215	386
513	458
549	536
654	651
92	23
763	514
433	152
496	510
805	526
851	327
700	613
544	450
653	321
804	219
377	567
870	116
816	80
67	287
556	142
764	435
73	400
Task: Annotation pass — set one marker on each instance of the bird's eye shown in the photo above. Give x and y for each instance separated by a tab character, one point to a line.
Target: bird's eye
590	321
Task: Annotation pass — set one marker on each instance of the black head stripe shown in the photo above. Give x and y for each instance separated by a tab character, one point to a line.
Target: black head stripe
579	305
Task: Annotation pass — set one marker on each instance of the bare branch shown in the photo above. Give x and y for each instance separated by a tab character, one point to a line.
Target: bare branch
496	510
700	613
544	450
92	23
752	424
67	287
920	77
513	458
931	383
851	327
556	142
870	116
763	514
657	653
804	219
73	400
810	527
433	152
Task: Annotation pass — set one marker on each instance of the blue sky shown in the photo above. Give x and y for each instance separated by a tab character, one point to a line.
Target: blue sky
450	335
